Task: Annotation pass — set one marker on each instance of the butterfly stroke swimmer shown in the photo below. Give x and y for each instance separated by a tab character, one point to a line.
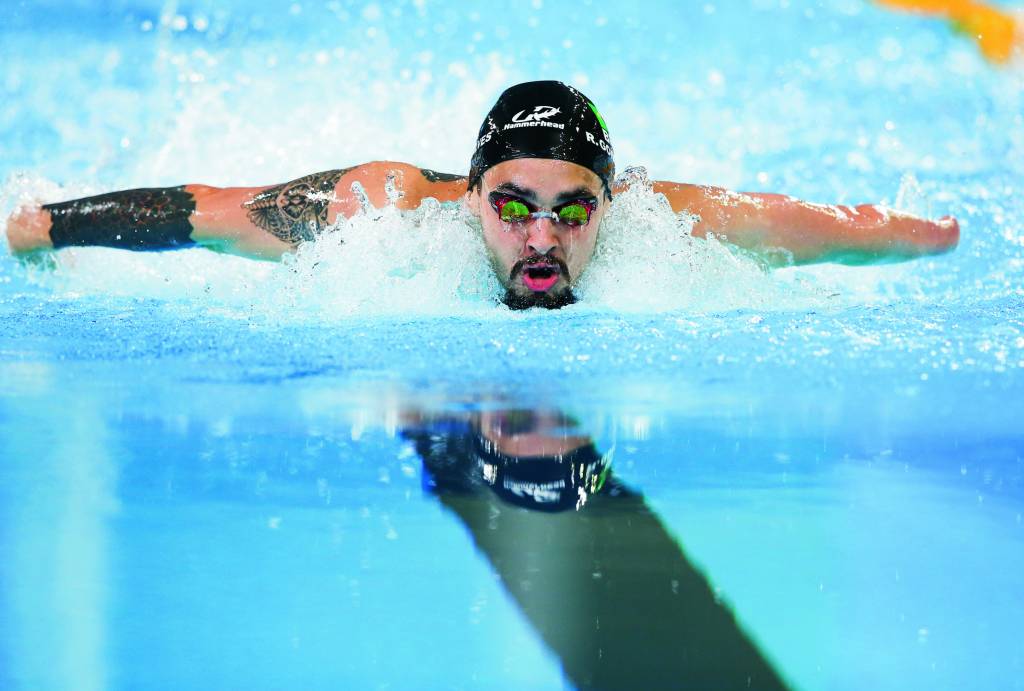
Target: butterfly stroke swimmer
540	181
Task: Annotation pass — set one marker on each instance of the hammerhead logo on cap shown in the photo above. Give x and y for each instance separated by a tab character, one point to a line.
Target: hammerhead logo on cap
539	113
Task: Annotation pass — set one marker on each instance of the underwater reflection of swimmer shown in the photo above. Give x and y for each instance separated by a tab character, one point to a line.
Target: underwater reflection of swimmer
584	557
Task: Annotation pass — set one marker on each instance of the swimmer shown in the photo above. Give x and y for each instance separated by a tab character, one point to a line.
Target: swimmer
540	180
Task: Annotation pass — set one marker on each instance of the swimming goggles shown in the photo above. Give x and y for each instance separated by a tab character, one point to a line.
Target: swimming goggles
512	209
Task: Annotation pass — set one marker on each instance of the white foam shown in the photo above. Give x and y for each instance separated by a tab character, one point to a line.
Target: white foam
647	261
428	261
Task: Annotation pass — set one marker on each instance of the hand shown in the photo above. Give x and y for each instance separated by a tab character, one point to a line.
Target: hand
28	230
910	234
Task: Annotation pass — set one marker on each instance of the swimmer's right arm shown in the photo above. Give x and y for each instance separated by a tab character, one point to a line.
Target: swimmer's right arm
785	231
258	222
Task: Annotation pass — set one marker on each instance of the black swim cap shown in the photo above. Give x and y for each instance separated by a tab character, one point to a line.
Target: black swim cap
545	119
543	483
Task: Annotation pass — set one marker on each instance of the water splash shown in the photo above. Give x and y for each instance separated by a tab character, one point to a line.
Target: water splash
647	261
428	261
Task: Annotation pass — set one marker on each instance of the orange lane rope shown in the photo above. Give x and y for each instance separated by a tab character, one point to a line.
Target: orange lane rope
997	32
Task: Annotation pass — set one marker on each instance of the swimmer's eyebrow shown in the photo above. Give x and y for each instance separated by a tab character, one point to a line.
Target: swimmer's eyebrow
513	188
580	192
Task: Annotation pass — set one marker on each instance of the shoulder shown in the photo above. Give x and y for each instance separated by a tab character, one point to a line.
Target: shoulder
682	195
380	179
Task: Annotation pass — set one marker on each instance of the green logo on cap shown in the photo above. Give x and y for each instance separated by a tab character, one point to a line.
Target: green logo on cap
600	120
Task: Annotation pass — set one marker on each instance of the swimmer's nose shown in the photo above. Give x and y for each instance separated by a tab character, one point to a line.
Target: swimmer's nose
541	237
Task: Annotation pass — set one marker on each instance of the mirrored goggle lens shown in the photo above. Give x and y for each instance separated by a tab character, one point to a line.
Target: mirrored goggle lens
575	214
513	211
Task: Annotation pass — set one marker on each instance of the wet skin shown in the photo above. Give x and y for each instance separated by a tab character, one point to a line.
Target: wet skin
542	242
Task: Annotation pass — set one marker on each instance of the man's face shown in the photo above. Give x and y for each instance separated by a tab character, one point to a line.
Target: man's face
531	433
539	260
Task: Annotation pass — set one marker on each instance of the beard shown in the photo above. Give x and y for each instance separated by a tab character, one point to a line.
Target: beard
518	297
551	300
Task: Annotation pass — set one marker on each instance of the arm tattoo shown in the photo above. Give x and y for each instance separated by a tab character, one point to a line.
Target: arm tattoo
296	210
143	219
434	176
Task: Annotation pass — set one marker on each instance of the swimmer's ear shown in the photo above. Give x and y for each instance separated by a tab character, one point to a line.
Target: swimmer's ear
472	200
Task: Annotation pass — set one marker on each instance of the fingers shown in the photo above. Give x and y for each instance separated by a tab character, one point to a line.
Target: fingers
950	228
28	229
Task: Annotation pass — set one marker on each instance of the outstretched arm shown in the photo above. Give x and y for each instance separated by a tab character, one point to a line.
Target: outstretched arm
784	230
261	222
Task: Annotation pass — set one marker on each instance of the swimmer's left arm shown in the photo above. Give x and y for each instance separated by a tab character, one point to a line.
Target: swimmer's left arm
264	222
784	230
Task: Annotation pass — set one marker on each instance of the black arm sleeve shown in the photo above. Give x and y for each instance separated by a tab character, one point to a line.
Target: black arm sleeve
142	219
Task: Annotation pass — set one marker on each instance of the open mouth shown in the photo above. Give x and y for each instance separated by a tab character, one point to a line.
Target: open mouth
541	277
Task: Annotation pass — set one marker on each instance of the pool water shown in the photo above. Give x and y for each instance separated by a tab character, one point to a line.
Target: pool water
216	472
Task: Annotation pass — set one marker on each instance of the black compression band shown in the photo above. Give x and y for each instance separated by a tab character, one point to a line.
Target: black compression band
142	219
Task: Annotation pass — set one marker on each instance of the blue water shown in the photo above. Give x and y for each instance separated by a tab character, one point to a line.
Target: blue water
207	474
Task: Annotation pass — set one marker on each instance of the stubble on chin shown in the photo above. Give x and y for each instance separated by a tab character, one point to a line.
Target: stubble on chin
519	297
551	300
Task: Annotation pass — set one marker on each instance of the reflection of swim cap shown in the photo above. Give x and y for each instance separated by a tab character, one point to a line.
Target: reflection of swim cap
544	120
543	483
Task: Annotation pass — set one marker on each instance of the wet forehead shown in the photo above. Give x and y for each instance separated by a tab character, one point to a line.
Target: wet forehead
543	180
